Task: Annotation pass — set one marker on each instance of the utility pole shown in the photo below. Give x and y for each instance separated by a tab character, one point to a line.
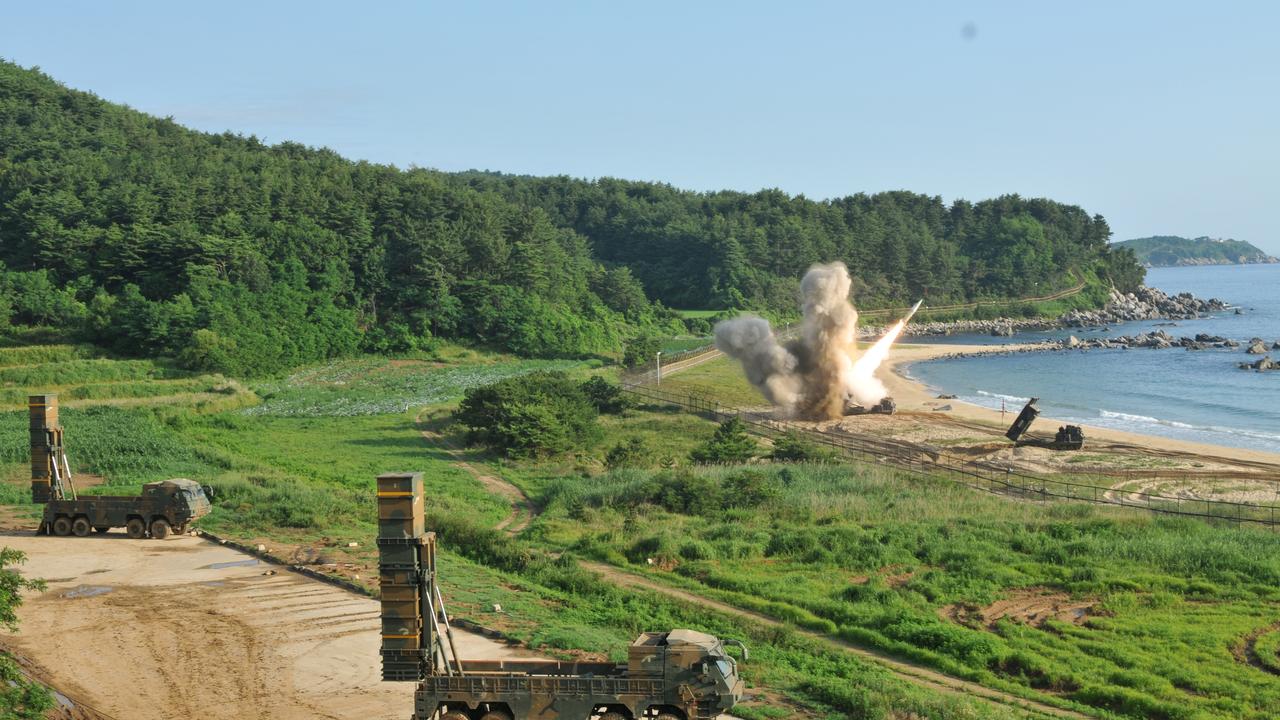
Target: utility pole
659	366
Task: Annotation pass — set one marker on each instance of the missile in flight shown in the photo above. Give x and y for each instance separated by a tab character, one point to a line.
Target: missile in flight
912	311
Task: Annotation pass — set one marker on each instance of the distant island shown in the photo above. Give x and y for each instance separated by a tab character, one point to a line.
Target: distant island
1171	250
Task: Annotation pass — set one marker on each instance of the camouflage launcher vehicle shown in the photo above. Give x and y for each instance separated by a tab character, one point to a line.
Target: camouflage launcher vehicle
676	675
164	507
1068	437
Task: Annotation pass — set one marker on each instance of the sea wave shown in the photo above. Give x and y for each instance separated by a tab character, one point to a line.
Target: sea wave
1147	419
998	396
1217	429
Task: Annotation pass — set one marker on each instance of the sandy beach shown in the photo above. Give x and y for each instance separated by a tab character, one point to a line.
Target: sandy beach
915	398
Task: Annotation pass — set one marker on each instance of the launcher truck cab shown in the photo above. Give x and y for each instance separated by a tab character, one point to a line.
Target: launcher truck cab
164	507
676	675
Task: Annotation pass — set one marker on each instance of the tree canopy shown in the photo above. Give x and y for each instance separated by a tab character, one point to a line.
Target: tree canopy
235	255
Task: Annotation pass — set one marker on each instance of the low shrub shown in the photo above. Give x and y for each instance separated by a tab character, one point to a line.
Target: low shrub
540	413
730	444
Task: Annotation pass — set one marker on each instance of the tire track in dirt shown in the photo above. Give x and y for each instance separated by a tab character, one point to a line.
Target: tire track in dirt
1245	650
903	669
523	508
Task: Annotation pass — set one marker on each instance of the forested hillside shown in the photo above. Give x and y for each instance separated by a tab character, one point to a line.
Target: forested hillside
1171	250
732	249
231	255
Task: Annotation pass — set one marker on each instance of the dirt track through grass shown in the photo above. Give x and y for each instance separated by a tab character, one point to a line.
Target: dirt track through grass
911	672
523	512
522	509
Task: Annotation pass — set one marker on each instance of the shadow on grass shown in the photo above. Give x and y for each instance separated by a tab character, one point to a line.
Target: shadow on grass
661	408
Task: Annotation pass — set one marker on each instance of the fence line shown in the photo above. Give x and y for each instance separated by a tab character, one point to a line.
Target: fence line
922	461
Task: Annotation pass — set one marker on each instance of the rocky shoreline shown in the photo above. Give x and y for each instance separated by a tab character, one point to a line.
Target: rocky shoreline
1158	340
1145	304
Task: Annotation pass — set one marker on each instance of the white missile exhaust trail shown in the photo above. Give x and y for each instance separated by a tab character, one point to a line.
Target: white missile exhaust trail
813	376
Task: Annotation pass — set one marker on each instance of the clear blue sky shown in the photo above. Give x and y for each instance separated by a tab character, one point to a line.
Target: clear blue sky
1162	116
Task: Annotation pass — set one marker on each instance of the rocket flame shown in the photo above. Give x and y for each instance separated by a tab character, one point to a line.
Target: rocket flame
814	375
865	367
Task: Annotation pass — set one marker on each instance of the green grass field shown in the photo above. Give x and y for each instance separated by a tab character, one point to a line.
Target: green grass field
1108	611
681	344
919	568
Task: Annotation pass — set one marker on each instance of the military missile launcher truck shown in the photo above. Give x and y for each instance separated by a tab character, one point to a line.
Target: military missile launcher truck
1068	437
676	675
163	507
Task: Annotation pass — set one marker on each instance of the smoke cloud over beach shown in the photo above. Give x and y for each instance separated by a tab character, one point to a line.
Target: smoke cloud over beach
816	373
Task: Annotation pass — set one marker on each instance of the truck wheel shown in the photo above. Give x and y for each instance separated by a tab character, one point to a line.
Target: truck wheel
666	716
613	716
160	529
136	528
81	527
180	529
495	715
62	527
454	715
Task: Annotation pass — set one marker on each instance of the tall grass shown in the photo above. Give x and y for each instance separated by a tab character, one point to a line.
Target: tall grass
17	396
81	371
370	386
35	354
869	555
126	446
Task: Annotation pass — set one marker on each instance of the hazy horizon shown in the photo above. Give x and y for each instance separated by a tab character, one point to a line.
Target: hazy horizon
1153	115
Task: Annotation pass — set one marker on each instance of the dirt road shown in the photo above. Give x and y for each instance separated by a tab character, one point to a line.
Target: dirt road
522	510
903	669
187	628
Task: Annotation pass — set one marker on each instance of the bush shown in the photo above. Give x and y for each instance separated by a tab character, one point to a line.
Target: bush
640	351
20	699
791	446
690	493
749	489
605	396
541	413
635	452
730	444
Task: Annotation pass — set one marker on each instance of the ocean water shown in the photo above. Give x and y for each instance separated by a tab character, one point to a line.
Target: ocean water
1187	395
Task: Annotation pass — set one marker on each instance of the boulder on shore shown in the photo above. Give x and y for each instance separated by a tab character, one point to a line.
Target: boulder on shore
1257	347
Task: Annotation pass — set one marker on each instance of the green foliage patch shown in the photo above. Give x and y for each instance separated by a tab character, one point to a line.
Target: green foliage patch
238	257
20	699
906	565
539	413
730	444
372	386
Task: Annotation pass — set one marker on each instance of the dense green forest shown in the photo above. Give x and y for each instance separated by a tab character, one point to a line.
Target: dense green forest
1171	250
141	235
732	249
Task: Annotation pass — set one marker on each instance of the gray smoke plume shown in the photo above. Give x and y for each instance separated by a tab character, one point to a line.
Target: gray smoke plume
813	375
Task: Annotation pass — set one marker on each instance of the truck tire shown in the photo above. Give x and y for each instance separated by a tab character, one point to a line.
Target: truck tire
160	528
81	527
496	715
666	716
61	526
136	528
613	716
454	715
180	529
